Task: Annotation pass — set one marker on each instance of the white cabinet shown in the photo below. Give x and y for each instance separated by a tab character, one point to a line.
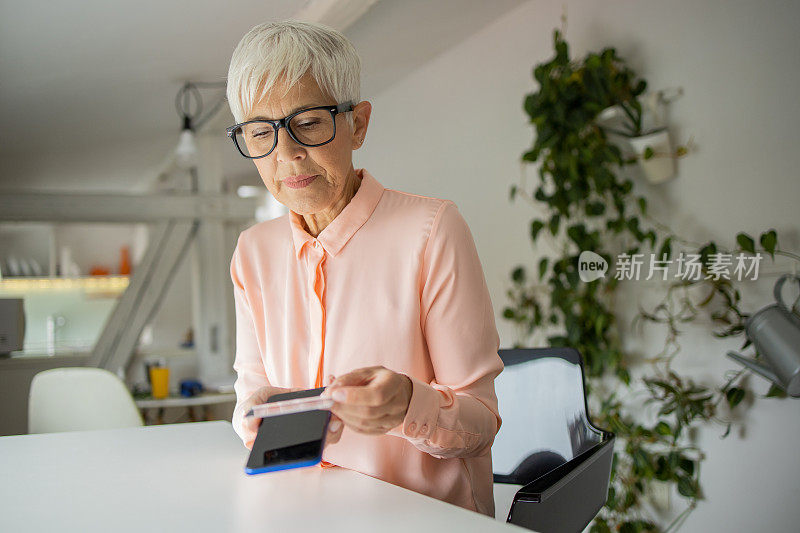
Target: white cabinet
27	248
64	314
79	246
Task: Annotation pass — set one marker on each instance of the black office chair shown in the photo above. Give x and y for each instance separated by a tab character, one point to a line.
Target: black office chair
547	442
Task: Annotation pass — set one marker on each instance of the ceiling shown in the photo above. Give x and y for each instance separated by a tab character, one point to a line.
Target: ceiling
86	80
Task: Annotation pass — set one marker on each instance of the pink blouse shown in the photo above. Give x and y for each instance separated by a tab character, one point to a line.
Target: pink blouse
394	280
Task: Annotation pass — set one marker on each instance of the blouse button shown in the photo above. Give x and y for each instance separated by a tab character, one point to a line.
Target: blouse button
423	429
412	426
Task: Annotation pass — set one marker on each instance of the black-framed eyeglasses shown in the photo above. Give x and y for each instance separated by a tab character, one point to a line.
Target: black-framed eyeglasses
313	126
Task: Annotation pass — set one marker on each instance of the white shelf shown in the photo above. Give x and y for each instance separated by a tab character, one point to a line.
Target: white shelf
206	398
112	285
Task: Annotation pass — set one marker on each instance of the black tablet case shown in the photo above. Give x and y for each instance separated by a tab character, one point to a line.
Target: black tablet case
291	437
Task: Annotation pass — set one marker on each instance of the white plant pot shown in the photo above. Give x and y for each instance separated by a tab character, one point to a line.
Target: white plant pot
660	167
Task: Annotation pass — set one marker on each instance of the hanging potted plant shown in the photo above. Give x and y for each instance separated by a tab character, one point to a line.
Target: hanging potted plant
641	133
654	153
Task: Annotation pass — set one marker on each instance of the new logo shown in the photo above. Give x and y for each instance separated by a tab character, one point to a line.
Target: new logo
591	266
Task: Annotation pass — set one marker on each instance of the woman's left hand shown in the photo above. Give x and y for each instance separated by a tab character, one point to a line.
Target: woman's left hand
370	400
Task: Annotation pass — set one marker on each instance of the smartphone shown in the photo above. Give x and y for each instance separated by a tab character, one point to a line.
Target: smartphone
291	440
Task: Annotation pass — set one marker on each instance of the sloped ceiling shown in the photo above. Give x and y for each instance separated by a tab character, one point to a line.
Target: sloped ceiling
90	85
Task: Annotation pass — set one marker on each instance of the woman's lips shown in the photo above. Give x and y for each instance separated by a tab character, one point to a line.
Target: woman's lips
298	184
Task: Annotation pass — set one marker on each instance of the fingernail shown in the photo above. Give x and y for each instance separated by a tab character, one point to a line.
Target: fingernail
335	425
339	396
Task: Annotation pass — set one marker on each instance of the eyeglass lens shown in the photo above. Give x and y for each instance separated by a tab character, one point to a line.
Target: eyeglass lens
310	127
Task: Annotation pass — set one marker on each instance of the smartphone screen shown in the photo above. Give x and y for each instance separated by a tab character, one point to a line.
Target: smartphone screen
289	441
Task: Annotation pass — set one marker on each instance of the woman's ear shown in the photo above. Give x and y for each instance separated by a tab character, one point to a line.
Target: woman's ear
361	114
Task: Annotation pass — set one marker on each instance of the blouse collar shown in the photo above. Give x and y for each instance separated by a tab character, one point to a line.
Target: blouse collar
346	224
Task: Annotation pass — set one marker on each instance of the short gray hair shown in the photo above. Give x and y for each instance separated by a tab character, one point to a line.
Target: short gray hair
292	48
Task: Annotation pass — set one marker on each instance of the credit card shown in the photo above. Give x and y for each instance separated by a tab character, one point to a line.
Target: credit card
297	405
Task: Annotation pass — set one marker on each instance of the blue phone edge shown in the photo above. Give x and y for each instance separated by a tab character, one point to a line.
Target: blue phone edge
275	468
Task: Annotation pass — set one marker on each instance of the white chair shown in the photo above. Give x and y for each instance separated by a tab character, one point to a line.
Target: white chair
80	398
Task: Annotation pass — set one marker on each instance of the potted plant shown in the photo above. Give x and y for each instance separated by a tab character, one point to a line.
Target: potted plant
641	132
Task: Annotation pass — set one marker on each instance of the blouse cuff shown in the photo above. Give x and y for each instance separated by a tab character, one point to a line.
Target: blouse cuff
423	412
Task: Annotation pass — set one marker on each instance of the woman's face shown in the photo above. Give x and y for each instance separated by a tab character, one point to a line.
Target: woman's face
331	163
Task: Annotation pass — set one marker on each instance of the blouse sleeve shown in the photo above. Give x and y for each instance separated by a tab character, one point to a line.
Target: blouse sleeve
456	414
250	374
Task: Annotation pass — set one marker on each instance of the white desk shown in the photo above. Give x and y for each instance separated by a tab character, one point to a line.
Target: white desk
190	477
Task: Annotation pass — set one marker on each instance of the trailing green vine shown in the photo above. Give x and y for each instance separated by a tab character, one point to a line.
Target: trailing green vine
587	204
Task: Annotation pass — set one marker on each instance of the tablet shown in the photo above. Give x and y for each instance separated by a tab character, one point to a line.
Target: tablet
290	440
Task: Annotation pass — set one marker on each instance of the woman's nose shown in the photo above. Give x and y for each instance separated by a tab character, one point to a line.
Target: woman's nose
287	149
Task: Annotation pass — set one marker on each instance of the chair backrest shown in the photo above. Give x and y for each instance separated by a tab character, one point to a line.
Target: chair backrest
79	398
542	403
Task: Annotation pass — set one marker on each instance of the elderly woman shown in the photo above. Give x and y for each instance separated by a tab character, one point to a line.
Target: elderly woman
376	293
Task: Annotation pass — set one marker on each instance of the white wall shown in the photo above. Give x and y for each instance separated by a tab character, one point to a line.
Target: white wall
455	129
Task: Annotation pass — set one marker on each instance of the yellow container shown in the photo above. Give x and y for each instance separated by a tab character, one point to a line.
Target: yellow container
159	380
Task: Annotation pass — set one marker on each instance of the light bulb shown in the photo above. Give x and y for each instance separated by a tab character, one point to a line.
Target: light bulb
186	151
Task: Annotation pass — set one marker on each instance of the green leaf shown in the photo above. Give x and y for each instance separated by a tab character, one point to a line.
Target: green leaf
595	208
666	249
636	526
627	185
775	392
536	227
531	155
662	428
513	192
642	205
557	340
509	313
648	153
518	275
633	227
687	465
561	49
577	234
543	266
553	224
651	236
663	469
769	241
687	487
734	395
641	460
599	526
746	242
630	499
706	251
